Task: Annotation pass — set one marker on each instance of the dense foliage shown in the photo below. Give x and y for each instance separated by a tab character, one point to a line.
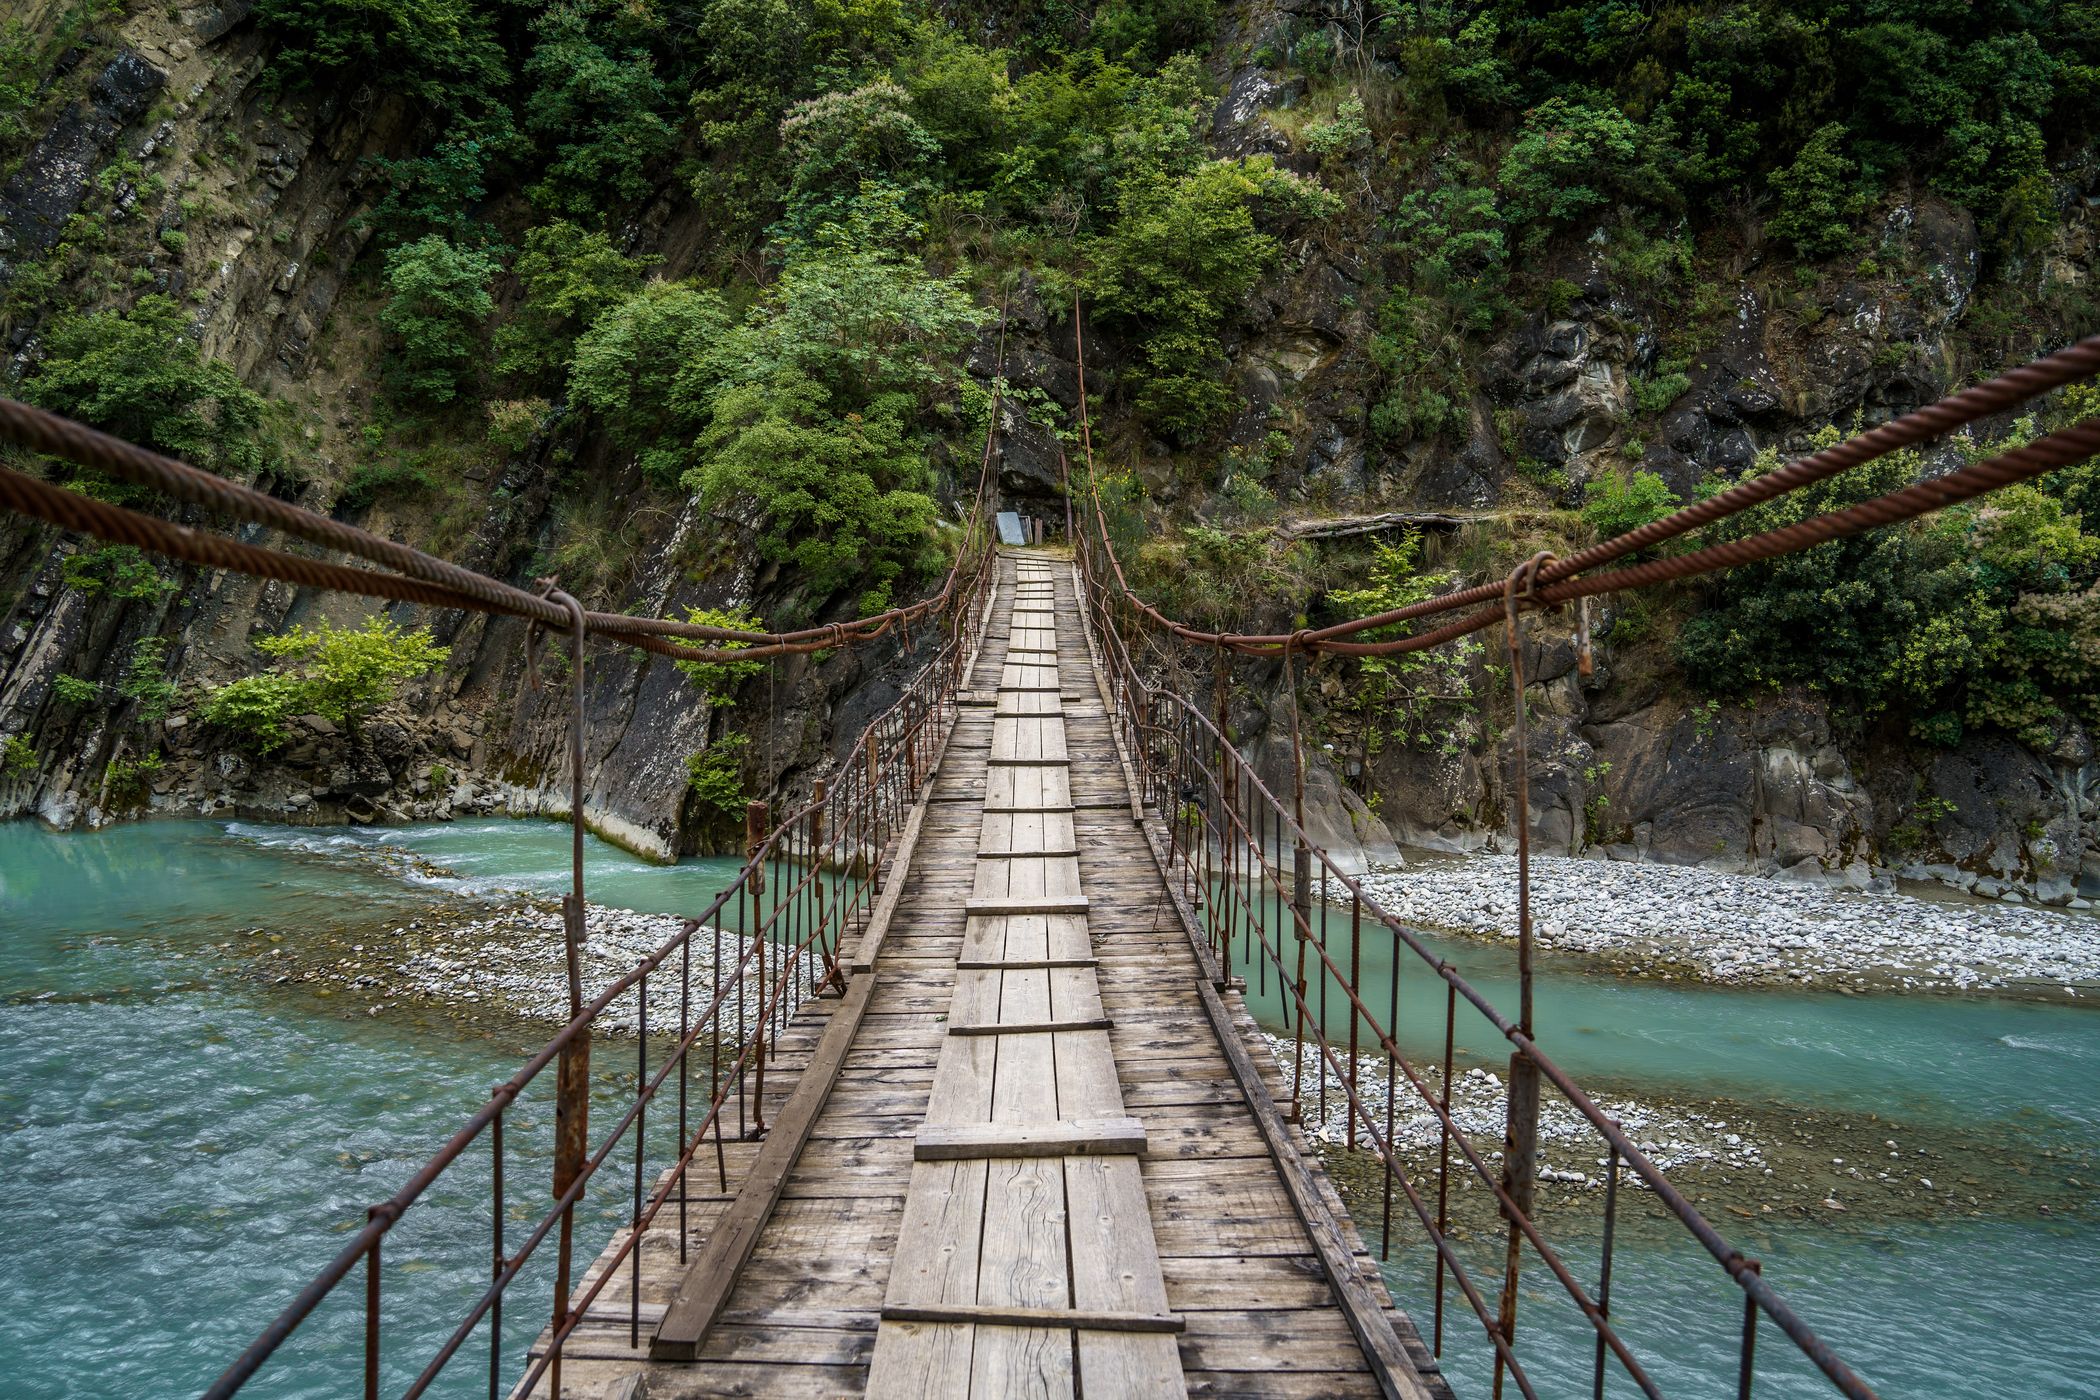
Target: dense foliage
1983	617
341	674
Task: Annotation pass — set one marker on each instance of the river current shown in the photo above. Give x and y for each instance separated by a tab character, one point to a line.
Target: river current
187	1143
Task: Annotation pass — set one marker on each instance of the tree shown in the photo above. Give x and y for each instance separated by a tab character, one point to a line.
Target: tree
649	366
1571	158
1818	197
342	674
440	300
442	51
569	275
598	97
839	495
140	375
1181	256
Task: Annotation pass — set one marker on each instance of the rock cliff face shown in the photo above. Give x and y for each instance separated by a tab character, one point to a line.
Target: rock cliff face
270	229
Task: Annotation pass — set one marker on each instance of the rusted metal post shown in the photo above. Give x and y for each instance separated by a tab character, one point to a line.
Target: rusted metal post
754	842
572	1094
1521	1133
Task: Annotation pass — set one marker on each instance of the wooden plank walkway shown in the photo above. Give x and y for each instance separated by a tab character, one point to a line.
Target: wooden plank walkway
1040	1168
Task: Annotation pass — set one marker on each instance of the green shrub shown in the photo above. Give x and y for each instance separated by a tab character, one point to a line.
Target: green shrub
341	674
439	300
115	569
1411	697
1656	393
139	375
442	51
128	781
1572	158
17	758
717	680
512	422
715	775
569	275
1613	504
598	98
1183	253
368	481
145	684
1818	197
72	690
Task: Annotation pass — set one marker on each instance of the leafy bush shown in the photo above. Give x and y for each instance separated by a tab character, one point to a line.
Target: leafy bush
442	51
1817	197
839	496
715	775
139	375
647	365
717	680
1413	697
440	299
339	673
72	690
1987	616
1571	158
512	422
1658	392
569	275
127	781
1182	254
115	569
368	481
17	758
1613	505
145	684
597	95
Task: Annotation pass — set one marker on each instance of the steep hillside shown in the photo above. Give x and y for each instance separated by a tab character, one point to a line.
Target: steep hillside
697	308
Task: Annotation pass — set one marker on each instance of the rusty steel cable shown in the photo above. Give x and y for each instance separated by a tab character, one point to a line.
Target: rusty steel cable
40	430
2049	453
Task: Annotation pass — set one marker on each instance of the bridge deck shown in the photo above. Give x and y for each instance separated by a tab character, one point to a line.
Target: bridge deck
1037	1170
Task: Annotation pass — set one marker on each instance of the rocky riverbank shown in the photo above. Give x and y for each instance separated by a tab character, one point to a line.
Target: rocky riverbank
1727	1156
1674	921
506	962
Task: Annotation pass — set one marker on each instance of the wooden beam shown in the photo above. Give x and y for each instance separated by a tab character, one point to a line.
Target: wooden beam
1067	904
1073	1137
1343	526
1089	1023
1021	964
1080	1319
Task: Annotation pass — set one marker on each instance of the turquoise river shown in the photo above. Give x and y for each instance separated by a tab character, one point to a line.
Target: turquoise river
186	1142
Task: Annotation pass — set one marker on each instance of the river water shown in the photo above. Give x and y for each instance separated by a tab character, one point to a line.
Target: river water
186	1144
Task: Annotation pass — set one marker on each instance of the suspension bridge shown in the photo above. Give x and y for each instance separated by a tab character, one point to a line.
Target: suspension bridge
975	1105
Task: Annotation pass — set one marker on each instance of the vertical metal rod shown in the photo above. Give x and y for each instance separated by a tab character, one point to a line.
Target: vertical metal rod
1746	1371
715	1100
1520	1138
573	1071
1392	1020
1443	1167
1611	1230
1356	985
372	1317
496	1248
754	835
641	1141
685	1055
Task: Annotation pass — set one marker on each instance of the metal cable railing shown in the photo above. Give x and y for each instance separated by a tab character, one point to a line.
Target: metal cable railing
1226	837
